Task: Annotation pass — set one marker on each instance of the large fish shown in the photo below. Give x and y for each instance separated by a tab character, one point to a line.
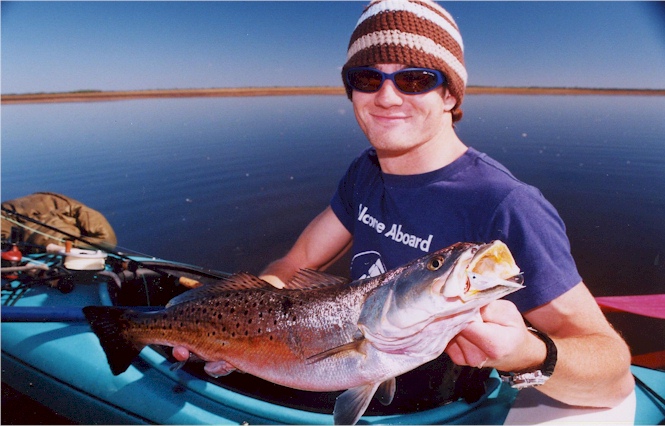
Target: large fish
327	335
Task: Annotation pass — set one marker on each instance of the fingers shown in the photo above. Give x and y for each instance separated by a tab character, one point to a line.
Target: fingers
501	312
463	352
273	280
487	342
180	353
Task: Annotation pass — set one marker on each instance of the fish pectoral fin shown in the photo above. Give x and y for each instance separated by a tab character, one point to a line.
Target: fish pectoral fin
218	368
355	346
386	391
352	404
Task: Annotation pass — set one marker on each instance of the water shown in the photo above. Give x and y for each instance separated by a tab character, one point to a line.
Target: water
229	183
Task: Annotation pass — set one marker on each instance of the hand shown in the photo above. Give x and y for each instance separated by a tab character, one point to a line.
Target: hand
500	340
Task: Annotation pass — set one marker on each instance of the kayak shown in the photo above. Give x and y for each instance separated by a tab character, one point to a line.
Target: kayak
50	354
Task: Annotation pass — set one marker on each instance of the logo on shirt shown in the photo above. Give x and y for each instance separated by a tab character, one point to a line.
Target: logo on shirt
369	261
395	231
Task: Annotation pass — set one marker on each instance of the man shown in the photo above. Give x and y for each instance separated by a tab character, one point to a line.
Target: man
420	188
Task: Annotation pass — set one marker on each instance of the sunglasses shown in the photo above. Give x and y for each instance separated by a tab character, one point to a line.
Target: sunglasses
410	81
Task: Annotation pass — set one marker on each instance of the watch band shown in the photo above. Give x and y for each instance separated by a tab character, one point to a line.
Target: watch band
538	377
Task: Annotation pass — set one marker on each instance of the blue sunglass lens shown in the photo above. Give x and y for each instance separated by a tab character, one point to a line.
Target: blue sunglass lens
410	81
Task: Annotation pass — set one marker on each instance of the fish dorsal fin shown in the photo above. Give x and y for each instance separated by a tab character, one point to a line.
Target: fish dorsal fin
352	404
308	279
235	282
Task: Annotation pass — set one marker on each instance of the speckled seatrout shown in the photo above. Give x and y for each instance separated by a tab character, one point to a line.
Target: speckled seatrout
322	333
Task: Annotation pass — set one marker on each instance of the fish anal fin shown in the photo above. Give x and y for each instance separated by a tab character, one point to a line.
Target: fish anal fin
308	279
218	368
386	391
351	405
356	346
109	326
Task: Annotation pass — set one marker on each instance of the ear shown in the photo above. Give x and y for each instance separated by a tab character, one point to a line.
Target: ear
449	101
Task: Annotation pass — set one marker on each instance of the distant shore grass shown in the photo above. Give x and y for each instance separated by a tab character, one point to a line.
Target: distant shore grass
98	95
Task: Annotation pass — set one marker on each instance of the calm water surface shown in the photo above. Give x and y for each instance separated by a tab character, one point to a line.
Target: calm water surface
229	183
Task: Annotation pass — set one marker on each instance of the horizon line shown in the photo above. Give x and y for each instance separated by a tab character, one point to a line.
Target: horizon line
101	95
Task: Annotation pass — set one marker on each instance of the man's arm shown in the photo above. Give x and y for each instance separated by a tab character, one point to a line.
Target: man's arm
321	243
593	365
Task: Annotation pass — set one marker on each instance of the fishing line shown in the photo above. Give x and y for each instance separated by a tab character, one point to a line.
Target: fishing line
36	231
133	264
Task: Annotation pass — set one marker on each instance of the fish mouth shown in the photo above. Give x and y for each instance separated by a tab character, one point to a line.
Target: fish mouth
485	272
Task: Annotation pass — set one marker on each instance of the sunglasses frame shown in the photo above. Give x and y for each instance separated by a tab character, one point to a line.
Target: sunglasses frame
440	79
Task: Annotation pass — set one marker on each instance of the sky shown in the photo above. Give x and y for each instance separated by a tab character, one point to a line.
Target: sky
57	46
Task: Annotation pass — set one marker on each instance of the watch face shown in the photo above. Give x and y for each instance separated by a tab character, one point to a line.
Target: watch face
526	380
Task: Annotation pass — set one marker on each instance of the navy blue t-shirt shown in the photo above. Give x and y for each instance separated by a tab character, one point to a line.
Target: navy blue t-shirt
395	219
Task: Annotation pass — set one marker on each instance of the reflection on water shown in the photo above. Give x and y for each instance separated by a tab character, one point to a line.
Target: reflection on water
228	183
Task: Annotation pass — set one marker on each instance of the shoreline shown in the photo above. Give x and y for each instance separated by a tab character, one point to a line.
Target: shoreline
102	96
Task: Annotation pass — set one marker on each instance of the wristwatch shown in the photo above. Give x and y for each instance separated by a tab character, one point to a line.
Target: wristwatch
537	377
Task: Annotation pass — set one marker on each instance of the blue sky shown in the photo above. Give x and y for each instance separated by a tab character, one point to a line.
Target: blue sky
66	46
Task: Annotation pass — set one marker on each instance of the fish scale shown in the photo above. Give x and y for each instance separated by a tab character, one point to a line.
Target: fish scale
325	334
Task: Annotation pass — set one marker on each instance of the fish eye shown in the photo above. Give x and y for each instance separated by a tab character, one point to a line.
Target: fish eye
435	263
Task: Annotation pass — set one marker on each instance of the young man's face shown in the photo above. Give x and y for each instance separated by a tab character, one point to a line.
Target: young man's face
395	122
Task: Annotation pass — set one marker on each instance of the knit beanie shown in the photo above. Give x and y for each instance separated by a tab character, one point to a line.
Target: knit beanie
416	33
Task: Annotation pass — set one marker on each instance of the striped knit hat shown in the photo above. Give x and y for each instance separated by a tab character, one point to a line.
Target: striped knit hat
417	33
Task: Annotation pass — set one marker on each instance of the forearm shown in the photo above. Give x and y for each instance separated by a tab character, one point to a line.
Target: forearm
591	371
593	363
323	241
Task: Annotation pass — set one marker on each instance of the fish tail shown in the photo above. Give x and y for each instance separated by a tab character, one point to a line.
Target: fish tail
109	325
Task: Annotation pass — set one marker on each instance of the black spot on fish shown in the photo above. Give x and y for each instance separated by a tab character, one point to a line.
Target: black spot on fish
286	305
232	310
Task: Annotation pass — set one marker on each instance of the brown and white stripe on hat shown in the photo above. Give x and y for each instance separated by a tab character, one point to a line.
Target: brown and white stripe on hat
416	33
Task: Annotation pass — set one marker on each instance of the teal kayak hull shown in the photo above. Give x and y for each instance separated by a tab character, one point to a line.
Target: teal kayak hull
57	361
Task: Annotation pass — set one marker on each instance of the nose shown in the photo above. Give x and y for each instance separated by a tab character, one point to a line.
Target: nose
388	95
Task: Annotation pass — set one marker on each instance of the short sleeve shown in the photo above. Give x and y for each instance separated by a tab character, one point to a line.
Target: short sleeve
536	235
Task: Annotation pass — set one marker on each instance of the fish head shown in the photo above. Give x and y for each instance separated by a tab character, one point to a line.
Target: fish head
446	287
481	273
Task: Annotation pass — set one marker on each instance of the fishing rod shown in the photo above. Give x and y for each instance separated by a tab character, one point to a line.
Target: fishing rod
132	264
